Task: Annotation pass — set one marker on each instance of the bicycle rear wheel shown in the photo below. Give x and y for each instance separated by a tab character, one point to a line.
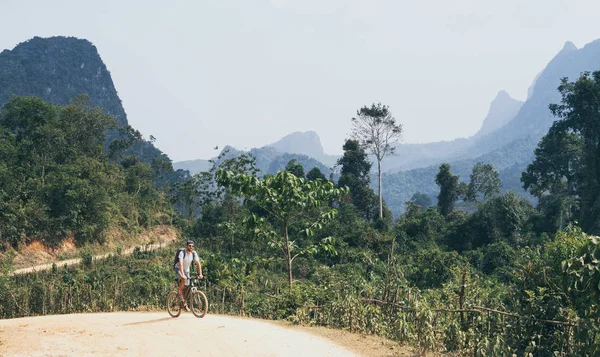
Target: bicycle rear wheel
199	304
173	306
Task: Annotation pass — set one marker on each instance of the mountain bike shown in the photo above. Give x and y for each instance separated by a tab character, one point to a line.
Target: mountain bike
196	300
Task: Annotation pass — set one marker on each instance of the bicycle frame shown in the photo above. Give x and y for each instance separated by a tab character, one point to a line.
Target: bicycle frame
192	287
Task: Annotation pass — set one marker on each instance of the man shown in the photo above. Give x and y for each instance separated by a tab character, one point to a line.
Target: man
182	268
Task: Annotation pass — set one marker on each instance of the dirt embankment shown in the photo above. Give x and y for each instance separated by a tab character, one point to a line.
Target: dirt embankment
36	256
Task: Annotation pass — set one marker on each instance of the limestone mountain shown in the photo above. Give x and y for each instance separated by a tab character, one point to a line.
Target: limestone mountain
534	118
304	143
57	69
269	160
410	156
502	110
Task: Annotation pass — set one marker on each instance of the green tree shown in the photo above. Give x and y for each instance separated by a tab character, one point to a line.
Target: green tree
503	218
419	228
553	176
376	130
291	206
83	128
295	168
449	190
187	194
128	137
315	174
421	199
578	113
56	179
355	174
557	161
484	181
583	281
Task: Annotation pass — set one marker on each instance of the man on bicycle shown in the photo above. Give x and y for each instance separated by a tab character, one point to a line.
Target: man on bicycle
182	267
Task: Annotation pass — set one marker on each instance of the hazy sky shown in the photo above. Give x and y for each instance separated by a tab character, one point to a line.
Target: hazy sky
201	73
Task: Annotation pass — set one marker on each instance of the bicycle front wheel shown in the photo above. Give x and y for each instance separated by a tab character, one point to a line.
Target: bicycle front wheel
199	304
173	306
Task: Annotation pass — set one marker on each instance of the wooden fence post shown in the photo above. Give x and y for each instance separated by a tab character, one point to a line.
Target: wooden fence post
461	297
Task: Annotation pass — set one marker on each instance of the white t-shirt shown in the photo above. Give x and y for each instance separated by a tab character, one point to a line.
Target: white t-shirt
187	259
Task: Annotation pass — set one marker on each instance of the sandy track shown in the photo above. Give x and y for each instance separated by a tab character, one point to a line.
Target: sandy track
157	334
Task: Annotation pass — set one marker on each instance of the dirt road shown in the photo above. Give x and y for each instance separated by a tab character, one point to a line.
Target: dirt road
157	334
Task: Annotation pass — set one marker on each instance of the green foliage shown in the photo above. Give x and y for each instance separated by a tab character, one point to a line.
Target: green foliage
578	130
355	174
61	182
295	168
553	178
504	218
421	200
420	228
292	210
484	181
449	190
315	174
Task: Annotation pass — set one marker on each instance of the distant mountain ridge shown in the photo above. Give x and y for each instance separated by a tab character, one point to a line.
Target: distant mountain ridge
510	147
269	160
304	147
304	143
502	110
534	118
410	156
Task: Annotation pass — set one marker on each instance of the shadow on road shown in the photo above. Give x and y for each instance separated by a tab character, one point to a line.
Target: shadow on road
148	322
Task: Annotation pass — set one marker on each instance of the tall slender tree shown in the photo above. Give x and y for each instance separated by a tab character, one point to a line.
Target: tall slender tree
378	133
449	189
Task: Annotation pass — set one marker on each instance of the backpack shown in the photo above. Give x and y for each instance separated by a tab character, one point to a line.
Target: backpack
176	260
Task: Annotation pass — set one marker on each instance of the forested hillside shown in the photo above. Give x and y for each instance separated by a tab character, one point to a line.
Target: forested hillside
510	161
58	181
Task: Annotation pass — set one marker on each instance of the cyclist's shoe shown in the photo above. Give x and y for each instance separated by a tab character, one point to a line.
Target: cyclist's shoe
180	298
